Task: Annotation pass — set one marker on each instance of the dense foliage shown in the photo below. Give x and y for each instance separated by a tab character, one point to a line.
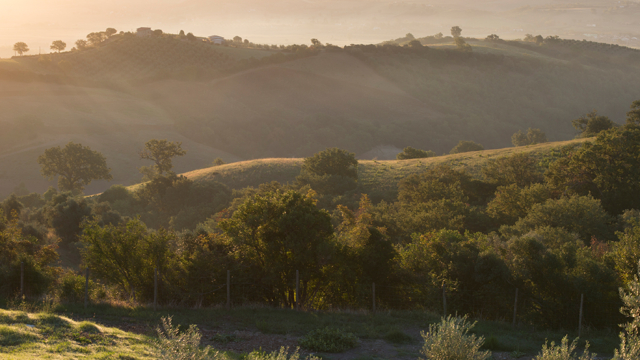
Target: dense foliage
554	228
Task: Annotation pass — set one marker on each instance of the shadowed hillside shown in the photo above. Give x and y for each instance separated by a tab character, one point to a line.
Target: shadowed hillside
371	100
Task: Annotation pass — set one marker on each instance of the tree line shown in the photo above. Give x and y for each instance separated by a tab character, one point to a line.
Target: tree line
554	229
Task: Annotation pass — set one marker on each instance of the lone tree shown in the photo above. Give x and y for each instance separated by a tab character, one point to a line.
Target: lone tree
332	171
160	152
592	124
76	166
332	161
456	31
58	45
110	32
466	146
20	48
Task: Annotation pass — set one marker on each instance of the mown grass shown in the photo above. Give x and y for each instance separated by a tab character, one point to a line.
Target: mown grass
375	176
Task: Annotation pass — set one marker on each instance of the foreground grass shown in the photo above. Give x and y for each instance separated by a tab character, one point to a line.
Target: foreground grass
49	336
382	326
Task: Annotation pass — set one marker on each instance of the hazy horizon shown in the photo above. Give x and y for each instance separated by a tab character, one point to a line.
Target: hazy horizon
39	22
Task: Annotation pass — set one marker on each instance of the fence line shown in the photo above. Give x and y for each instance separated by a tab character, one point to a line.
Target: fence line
526	310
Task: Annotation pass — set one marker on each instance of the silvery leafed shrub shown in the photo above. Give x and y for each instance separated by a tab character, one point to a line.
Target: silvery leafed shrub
450	340
564	351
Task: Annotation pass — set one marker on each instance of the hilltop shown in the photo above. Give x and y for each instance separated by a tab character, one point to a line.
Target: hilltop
244	103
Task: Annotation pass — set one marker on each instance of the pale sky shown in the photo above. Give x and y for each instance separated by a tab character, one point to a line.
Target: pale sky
39	22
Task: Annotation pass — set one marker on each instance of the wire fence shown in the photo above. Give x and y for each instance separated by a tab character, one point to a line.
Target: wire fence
575	311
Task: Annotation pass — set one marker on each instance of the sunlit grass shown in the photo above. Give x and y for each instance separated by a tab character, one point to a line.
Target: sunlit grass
49	336
373	175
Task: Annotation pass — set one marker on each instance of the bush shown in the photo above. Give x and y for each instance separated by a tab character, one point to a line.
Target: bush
564	351
329	339
278	355
449	340
466	146
173	345
411	153
72	287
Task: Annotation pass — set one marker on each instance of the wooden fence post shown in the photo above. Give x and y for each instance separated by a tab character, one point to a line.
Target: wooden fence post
22	279
515	309
444	298
580	320
86	287
297	290
155	288
228	289
374	297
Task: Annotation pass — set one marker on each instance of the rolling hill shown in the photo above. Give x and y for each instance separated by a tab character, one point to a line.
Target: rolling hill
370	100
378	178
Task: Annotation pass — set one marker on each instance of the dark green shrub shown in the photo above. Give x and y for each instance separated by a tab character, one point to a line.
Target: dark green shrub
329	339
72	287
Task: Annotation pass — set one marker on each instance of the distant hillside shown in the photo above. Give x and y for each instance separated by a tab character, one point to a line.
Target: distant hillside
376	177
370	100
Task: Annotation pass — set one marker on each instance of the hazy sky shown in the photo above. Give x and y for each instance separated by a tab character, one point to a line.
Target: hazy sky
39	22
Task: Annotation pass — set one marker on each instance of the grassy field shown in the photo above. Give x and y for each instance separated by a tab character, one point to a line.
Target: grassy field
375	176
109	332
51	336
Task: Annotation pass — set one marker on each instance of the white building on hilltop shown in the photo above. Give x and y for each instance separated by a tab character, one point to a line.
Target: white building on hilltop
216	39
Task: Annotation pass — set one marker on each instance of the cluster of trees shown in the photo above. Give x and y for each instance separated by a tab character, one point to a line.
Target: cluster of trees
553	230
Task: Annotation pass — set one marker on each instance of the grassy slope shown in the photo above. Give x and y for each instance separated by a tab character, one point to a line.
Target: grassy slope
48	336
374	175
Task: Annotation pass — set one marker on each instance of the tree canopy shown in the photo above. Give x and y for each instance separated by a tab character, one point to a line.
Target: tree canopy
608	168
161	152
332	161
58	45
466	146
20	47
277	233
592	124
76	166
532	137
412	153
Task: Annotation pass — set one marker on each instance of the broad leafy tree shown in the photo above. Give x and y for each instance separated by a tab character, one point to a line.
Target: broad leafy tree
81	44
608	168
592	124
110	32
95	38
161	152
532	137
20	48
277	233
58	45
520	169
633	116
332	161
456	31
76	166
126	255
